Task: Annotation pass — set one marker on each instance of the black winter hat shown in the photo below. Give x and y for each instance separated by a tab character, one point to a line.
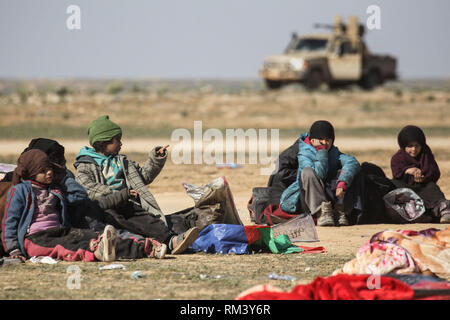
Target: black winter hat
321	129
410	134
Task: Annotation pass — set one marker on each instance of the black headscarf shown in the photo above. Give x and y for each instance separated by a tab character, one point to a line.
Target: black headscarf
411	134
52	148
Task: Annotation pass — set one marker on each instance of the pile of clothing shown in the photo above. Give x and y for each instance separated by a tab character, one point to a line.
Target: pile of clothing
403	251
403	205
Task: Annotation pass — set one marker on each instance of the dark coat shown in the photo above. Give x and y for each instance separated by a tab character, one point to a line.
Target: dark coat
286	173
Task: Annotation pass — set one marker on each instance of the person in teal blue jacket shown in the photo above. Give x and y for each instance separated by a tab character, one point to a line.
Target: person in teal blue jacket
324	178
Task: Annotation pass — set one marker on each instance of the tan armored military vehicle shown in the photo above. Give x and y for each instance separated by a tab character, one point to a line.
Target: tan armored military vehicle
338	58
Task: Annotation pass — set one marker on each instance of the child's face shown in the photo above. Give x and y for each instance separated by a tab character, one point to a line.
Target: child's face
413	149
114	147
327	142
45	177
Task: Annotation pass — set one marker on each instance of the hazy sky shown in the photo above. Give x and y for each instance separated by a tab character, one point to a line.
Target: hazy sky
203	38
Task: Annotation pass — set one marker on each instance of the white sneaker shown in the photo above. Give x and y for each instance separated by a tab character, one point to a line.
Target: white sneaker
106	248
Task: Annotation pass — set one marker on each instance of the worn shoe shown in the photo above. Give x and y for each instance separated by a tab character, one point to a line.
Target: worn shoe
341	215
155	249
326	215
106	246
182	241
445	218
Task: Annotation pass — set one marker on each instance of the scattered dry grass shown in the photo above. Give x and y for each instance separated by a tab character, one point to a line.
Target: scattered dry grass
188	276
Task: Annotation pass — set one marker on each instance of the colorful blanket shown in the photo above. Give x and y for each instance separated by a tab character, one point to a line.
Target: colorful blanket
231	238
403	251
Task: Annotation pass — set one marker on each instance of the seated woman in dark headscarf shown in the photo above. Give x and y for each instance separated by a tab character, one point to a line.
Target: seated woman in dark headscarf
414	167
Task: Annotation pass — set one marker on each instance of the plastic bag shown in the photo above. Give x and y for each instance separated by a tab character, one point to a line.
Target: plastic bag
222	238
215	192
112	267
5	168
403	205
43	259
230	238
298	229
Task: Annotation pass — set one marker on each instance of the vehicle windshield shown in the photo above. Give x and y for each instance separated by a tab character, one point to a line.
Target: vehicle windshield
306	44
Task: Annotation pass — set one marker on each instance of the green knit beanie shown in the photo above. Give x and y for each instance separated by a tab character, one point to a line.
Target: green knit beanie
102	129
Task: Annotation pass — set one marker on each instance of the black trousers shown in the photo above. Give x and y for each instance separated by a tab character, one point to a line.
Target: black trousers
136	220
73	244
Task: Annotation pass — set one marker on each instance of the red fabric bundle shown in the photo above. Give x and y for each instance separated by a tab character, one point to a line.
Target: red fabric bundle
339	287
274	210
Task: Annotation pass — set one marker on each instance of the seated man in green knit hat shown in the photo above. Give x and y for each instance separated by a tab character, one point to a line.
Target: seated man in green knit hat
119	186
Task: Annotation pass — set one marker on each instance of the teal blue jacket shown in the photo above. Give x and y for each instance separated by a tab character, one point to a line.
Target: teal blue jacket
326	164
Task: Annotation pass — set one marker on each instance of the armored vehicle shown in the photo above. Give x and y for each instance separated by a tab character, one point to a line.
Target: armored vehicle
338	58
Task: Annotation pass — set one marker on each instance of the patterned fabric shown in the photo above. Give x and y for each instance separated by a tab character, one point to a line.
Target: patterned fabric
381	258
403	251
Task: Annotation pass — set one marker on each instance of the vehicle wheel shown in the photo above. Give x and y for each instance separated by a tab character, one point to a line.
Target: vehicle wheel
335	86
313	80
370	80
273	84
